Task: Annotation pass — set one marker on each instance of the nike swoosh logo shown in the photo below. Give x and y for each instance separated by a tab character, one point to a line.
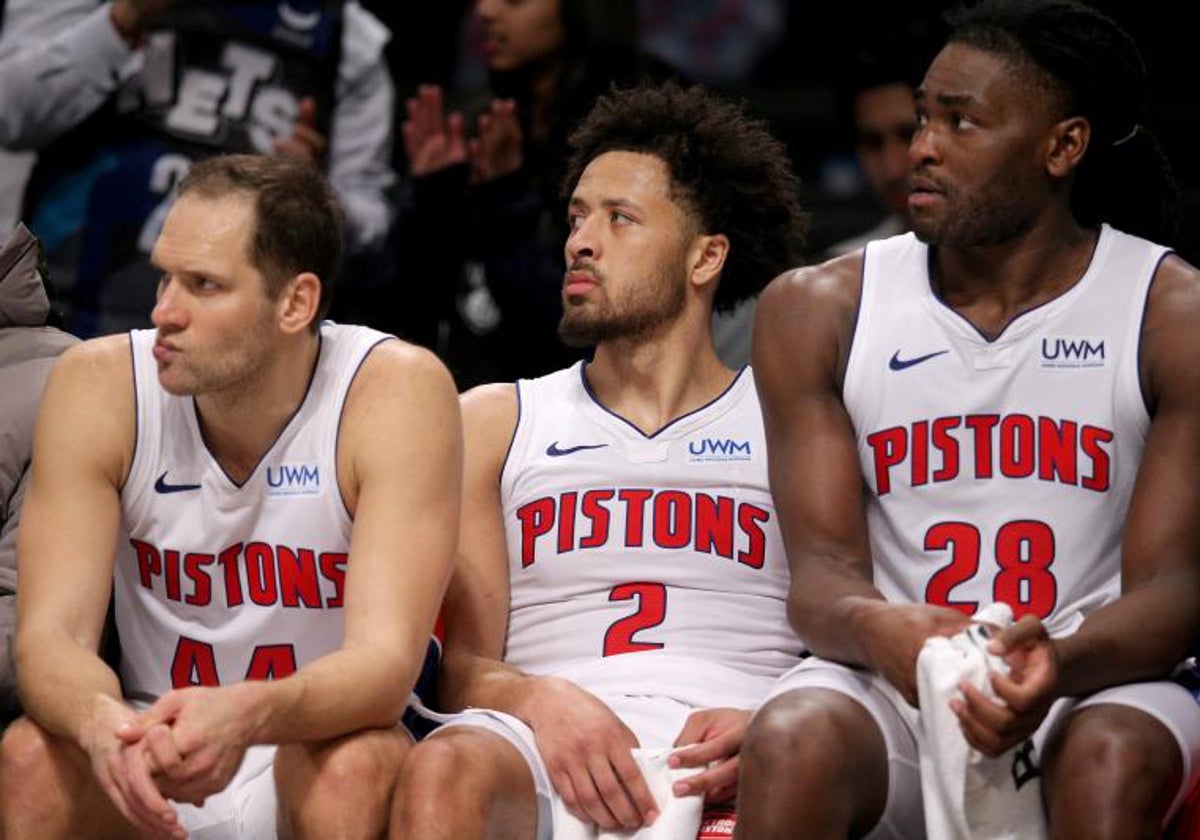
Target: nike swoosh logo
161	486
297	19
553	451
896	363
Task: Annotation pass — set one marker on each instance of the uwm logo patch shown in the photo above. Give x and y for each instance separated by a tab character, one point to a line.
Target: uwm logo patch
707	450
1072	352
293	480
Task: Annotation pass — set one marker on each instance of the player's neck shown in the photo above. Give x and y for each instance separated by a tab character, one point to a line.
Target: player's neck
990	285
240	424
652	382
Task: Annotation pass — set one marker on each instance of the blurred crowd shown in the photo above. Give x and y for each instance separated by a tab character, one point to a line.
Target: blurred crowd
443	127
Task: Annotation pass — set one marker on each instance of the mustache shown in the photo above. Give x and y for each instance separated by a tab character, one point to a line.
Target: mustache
585	267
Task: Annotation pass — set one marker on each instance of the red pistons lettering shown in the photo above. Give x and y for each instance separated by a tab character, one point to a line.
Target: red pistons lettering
670	519
992	445
257	572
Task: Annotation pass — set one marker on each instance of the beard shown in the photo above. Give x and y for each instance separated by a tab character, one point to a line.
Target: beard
231	367
645	308
990	216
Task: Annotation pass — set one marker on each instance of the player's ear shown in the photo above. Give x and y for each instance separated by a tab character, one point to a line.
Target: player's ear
299	302
1068	142
707	257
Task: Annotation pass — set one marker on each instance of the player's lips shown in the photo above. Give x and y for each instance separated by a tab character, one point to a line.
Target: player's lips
163	350
923	192
579	282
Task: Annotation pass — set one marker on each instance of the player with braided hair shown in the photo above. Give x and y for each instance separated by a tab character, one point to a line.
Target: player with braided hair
1014	384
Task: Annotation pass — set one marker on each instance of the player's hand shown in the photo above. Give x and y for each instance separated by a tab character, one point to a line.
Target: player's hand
1027	691
899	631
586	749
433	141
710	736
209	729
131	17
118	763
496	152
306	140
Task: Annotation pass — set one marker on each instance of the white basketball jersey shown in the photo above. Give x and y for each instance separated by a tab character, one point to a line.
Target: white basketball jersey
645	564
220	582
1000	470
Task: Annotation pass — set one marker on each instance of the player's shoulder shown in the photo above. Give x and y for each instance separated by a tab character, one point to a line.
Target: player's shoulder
494	406
1173	304
826	293
101	365
396	364
837	282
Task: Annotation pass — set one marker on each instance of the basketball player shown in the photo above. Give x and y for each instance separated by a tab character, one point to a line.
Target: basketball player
1017	387
617	515
285	494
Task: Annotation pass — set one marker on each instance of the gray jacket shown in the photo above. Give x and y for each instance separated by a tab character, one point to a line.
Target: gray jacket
27	352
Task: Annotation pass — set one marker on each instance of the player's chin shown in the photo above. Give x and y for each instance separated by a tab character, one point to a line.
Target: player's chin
175	384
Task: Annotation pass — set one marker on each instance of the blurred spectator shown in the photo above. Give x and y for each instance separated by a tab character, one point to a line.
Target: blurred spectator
482	222
119	98
28	348
719	42
875	106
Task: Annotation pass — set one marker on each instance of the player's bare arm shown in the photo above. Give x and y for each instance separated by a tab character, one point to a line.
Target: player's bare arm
399	465
586	747
1146	632
802	339
83	448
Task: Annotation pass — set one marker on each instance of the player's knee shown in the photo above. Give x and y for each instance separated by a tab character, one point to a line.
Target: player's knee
796	733
439	769
1115	750
356	766
26	765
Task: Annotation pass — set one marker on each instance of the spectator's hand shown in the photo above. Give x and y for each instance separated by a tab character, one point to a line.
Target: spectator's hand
897	635
119	765
432	140
194	740
305	141
1027	691
131	17
586	749
710	736
497	150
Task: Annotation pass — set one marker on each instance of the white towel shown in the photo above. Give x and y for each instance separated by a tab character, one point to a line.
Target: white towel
678	816
965	793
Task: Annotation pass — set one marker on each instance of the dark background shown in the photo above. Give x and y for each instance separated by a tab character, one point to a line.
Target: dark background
793	86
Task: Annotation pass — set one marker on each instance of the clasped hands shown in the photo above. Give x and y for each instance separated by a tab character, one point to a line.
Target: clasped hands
185	747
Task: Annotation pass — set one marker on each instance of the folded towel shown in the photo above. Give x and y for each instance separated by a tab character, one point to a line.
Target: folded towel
965	793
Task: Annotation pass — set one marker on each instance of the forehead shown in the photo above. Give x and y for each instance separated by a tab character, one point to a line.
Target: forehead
963	73
883	107
202	234
624	176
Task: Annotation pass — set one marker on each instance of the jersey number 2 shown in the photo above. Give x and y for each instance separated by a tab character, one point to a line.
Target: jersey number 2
651	610
1024	554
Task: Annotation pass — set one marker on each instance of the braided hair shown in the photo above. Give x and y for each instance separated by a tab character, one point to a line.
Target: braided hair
1094	69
